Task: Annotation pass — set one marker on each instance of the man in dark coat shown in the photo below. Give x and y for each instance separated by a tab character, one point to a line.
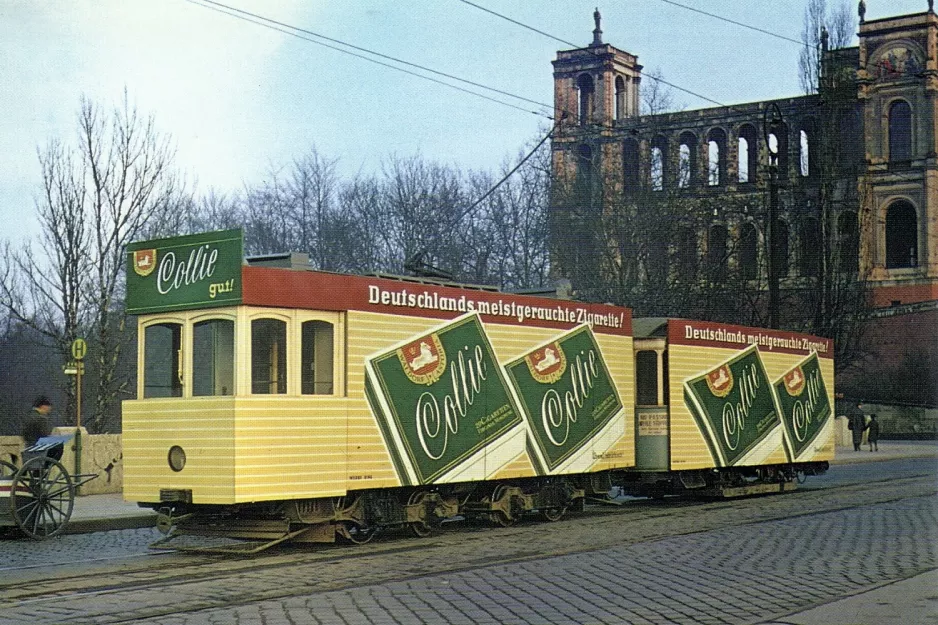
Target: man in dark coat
37	423
856	423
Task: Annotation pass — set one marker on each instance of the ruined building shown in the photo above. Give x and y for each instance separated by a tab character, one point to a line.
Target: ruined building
853	197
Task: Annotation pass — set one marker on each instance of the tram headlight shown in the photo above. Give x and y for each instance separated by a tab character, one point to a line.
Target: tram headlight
176	458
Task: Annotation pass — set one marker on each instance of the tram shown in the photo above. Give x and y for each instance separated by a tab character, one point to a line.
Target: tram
275	402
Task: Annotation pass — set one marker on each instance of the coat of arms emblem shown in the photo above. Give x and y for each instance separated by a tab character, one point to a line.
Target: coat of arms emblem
720	381
423	360
547	364
794	382
144	262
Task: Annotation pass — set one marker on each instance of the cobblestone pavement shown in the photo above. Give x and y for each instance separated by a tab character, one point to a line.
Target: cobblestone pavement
744	572
739	575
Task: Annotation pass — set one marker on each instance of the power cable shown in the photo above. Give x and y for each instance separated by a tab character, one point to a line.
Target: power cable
577	47
294	31
492	190
729	21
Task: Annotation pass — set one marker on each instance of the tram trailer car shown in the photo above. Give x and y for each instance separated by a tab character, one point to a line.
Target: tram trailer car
275	402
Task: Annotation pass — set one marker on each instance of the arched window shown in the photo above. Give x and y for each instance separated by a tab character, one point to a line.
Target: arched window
848	237
659	163
900	131
716	154
901	235
850	140
630	167
585	86
268	357
743	159
778	142
810	247
804	163
656	262
657	169
620	97
213	357
687	160
162	345
748	153
716	251
748	252
687	253
317	360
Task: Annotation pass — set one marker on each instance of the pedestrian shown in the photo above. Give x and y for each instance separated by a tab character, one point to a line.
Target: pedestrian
873	432
856	424
37	422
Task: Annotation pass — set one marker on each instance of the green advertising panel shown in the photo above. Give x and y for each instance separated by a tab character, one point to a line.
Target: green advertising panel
440	398
733	405
567	396
179	273
804	404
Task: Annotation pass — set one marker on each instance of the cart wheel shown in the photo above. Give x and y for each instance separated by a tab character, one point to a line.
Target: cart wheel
7	470
42	497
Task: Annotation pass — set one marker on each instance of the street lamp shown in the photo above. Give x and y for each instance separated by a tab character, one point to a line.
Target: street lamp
771	121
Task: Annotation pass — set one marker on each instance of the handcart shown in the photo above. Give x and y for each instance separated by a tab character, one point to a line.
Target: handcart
38	496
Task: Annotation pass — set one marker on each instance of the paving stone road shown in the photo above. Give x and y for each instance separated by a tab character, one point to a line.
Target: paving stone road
733	575
739	575
746	561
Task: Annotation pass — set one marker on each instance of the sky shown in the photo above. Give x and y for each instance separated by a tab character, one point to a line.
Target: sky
240	100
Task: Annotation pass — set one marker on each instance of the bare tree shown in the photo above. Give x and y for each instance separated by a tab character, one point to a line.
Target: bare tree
840	25
114	186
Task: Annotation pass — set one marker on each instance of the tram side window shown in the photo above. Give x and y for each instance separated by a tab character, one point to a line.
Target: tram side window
646	378
213	357
317	358
268	357
161	366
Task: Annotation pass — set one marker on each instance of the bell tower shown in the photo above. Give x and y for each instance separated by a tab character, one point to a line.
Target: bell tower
596	85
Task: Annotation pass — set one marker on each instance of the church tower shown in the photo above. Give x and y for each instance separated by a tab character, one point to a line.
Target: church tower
595	85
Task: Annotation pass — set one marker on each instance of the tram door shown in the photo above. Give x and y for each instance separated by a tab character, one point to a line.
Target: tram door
652	421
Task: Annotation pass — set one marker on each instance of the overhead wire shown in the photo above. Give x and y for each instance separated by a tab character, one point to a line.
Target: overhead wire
492	190
734	22
577	47
298	32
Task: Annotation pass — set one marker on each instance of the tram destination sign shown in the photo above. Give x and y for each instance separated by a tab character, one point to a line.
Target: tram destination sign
178	273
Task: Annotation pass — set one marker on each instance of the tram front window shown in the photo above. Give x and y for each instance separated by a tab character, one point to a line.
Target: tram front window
162	374
268	357
213	357
317	358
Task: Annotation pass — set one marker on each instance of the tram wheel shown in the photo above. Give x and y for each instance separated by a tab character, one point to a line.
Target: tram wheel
358	534
420	529
499	517
553	514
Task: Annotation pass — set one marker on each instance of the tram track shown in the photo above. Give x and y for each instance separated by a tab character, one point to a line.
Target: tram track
198	582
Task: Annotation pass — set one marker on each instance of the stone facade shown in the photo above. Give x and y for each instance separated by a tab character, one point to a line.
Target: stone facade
872	130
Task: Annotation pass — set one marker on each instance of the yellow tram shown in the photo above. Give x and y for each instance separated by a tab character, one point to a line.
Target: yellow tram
277	402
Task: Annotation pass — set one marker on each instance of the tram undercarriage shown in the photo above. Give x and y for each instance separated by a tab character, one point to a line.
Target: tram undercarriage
360	516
